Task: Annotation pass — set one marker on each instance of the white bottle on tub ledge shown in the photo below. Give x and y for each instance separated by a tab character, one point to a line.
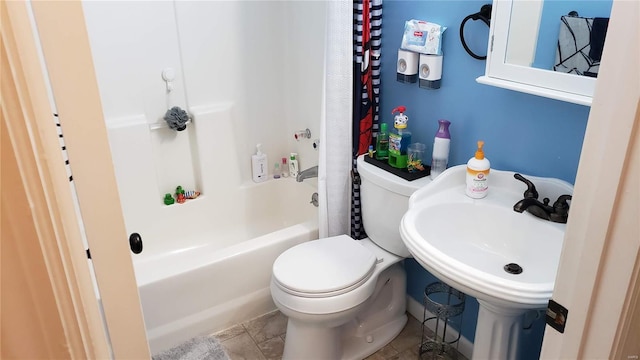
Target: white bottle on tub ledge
259	165
293	165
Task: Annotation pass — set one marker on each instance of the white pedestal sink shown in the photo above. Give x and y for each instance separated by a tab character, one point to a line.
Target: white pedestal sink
468	243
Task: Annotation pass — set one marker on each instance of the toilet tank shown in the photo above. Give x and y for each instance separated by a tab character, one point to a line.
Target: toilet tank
385	198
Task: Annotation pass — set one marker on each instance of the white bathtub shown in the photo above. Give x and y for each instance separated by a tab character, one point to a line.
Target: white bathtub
220	277
205	264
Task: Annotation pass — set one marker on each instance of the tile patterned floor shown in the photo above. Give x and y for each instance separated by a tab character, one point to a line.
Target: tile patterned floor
263	339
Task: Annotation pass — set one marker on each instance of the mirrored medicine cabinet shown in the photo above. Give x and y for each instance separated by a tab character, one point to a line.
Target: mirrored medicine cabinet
523	41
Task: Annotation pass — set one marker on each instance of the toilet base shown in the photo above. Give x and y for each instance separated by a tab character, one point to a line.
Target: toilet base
312	342
364	329
355	348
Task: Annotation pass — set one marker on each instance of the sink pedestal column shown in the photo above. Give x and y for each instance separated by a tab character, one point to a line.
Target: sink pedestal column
497	332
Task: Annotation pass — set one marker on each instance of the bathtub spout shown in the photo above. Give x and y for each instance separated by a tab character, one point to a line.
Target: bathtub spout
308	173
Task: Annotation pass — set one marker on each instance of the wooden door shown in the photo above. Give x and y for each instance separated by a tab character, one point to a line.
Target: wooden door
28	117
597	278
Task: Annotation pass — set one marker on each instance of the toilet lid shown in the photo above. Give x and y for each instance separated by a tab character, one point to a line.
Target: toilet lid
328	267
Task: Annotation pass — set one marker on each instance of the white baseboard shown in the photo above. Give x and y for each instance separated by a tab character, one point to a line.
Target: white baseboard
416	309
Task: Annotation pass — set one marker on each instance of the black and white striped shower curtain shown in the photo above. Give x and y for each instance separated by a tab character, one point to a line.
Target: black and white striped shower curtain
367	31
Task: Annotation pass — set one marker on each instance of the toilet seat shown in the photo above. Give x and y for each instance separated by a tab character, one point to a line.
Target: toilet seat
324	267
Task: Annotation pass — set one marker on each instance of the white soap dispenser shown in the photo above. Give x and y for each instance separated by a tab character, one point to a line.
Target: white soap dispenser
478	169
259	165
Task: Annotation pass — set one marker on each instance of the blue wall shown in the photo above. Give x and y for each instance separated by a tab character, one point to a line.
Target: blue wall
522	132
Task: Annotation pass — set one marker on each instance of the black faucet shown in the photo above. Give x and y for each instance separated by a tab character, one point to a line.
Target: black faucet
556	213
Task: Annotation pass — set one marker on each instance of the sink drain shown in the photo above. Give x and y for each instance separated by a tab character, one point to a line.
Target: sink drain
513	268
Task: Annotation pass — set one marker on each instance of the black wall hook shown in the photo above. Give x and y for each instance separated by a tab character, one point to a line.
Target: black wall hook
483	15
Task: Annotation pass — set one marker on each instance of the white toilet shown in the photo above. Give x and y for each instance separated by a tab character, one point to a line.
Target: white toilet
346	298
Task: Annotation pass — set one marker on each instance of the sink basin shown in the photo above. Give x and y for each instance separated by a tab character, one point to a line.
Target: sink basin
471	243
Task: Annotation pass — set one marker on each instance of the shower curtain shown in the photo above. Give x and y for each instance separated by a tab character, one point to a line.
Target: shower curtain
335	130
367	31
351	102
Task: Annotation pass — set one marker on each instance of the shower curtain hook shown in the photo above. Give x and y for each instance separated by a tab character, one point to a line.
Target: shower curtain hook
168	75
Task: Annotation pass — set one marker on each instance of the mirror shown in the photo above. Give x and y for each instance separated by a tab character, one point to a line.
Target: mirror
533	36
524	41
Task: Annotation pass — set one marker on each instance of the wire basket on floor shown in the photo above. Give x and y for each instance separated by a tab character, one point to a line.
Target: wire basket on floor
443	305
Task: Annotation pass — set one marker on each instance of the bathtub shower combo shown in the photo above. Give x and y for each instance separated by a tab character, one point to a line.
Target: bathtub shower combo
206	263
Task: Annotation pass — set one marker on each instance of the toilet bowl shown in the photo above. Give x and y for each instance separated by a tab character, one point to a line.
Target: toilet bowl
346	298
326	302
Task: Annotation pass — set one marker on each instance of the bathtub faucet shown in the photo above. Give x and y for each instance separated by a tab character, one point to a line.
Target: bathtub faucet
309	173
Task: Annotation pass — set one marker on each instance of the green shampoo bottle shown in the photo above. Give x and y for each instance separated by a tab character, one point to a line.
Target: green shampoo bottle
382	143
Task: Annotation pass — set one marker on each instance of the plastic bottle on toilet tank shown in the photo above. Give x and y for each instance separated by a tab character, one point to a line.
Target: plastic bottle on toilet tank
400	139
382	143
440	157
